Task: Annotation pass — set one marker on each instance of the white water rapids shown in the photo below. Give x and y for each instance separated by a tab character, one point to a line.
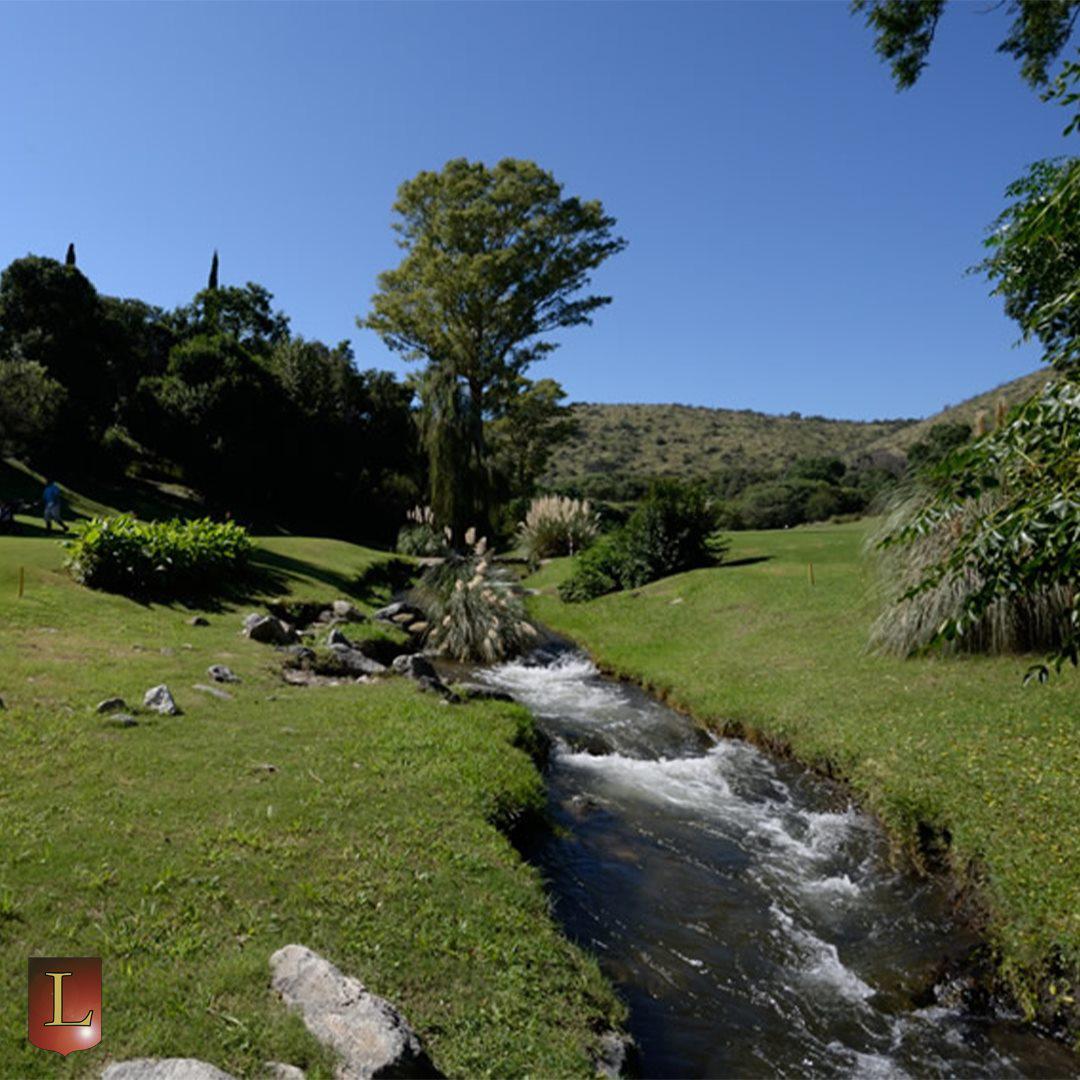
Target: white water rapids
747	913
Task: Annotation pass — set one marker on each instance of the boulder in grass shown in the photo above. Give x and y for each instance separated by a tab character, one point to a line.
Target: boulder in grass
346	612
198	620
220	673
110	705
269	630
370	1036
159	699
164	1069
344	660
336	637
415	666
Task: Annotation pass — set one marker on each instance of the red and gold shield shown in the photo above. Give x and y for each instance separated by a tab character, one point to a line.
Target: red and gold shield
64	1002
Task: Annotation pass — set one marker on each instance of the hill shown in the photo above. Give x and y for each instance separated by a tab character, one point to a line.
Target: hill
615	443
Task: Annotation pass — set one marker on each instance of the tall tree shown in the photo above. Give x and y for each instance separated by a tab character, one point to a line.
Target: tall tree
69	259
212	283
495	259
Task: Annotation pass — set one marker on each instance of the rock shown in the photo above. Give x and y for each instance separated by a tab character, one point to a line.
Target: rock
159	699
349	661
616	1055
164	1069
110	704
336	637
264	767
166	651
220	673
299	655
345	611
370	1037
122	720
387	613
415	666
269	630
278	1070
213	691
198	620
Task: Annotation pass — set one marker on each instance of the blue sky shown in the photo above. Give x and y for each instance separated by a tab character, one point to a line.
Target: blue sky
798	230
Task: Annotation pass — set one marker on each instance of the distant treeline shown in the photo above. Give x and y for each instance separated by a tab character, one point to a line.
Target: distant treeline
809	489
217	394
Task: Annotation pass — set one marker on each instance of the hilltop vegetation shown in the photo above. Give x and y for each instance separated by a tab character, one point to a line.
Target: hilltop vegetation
616	449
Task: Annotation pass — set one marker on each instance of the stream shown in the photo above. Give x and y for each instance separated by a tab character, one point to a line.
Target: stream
747	913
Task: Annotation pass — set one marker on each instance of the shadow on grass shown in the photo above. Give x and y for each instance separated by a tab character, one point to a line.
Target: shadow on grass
748	561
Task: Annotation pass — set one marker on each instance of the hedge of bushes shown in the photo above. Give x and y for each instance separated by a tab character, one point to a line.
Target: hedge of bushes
672	530
157	558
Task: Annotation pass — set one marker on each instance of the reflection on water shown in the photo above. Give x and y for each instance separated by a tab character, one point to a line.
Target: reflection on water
749	917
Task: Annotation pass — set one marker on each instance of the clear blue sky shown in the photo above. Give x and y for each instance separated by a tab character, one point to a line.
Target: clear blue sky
798	230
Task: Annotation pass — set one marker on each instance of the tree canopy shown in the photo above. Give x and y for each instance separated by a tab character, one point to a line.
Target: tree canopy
904	34
496	259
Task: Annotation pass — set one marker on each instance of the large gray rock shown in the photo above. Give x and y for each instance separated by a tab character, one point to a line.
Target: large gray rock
159	699
415	666
279	1070
346	612
221	673
370	1037
111	704
268	630
346	660
616	1056
164	1069
336	637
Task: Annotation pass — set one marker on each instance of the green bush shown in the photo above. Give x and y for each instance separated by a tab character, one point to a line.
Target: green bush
157	558
671	531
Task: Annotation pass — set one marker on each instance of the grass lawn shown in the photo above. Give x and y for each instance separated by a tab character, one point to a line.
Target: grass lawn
172	851
956	744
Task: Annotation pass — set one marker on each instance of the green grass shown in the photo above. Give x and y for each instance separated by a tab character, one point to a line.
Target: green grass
169	849
956	744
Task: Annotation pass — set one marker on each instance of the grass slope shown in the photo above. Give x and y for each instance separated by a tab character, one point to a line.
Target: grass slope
172	851
956	744
642	441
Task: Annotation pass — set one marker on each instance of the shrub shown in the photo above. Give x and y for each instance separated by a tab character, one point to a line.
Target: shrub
420	536
474	609
671	531
912	618
555	525
157	558
598	570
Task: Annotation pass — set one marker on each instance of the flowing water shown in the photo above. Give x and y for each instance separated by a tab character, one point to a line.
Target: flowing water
749	916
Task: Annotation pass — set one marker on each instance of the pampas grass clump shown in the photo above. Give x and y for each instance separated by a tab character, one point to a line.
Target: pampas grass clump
474	608
556	525
1020	623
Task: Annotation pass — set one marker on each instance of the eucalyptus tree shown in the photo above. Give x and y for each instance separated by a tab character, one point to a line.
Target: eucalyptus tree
495	260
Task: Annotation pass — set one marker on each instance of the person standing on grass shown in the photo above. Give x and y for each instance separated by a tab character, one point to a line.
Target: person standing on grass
52	498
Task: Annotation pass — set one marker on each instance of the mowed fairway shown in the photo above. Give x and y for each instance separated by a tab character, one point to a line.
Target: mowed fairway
355	819
955	744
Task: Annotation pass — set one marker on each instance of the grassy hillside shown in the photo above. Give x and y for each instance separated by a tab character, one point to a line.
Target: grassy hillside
684	441
952	750
354	819
1012	393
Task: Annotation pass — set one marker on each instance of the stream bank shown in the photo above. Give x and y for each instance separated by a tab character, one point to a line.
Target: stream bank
746	909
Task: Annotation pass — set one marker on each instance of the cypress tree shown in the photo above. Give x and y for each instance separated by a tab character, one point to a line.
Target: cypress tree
69	259
212	283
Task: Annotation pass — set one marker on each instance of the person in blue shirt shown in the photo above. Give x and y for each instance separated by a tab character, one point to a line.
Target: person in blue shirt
52	498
